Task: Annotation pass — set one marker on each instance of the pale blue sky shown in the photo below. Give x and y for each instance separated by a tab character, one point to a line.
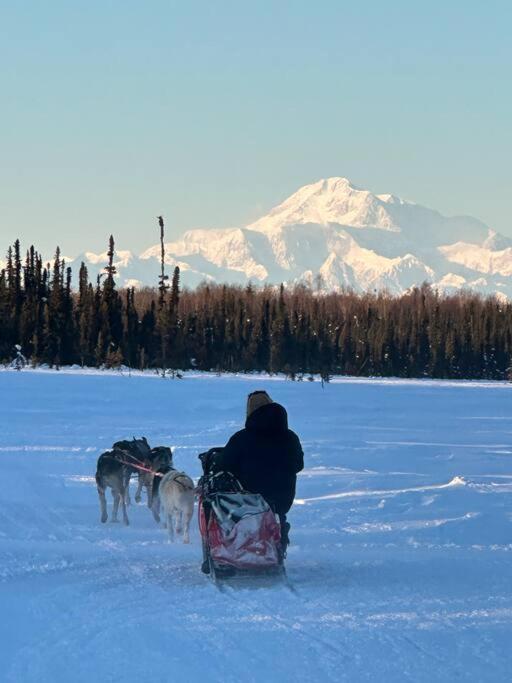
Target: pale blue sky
212	112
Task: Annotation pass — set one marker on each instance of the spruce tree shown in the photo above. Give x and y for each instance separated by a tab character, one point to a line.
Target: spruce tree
163	309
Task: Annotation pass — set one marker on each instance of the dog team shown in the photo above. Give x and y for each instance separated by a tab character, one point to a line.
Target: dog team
168	490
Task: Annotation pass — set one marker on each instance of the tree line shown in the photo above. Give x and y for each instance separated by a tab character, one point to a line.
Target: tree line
293	330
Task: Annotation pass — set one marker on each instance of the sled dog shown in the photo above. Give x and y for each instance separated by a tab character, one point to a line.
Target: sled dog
134	452
176	494
159	460
110	473
160	467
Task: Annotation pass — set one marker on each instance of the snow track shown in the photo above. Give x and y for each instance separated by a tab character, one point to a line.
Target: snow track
400	567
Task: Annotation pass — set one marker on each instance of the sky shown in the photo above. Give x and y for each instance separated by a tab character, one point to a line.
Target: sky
210	113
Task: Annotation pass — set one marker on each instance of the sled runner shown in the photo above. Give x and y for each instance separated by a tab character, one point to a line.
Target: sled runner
240	533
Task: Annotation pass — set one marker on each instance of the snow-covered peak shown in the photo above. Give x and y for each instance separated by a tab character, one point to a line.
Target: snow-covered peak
481	259
391	199
225	248
332	200
122	257
94	259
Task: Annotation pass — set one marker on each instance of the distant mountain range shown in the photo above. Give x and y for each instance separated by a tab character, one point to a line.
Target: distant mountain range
334	235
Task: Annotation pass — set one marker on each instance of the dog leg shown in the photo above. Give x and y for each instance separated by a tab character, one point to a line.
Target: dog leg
126	482
155	509
103	504
138	493
179	521
117	498
149	489
170	527
123	506
186	530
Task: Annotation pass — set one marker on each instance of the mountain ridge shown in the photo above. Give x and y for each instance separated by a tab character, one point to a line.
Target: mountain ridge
340	235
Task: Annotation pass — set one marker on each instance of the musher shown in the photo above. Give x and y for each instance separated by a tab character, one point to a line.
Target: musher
265	456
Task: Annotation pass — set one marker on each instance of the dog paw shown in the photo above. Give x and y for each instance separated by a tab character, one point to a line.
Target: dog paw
104	518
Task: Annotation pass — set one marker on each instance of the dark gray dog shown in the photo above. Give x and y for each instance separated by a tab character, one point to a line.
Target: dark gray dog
110	472
134	454
158	457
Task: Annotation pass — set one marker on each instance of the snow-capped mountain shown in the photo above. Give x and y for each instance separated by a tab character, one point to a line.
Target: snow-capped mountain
335	235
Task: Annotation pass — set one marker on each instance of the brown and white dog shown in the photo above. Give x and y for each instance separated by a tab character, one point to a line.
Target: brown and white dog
158	460
175	492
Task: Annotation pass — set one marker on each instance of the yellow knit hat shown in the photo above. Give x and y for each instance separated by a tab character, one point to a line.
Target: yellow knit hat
256	400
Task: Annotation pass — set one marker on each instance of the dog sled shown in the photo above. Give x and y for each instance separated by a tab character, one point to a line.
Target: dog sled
240	533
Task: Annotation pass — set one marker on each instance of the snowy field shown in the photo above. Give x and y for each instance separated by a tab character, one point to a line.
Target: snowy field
402	536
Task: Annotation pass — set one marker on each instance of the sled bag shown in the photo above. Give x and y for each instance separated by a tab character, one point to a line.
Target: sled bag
241	530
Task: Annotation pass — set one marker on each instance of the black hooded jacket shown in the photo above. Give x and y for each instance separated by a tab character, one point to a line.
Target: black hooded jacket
265	456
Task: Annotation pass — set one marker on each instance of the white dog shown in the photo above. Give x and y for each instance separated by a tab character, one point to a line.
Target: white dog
176	494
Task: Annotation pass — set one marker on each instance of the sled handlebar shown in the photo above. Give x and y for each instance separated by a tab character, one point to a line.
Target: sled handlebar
208	457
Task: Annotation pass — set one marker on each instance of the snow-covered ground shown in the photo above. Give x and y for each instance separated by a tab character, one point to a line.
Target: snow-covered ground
402	536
